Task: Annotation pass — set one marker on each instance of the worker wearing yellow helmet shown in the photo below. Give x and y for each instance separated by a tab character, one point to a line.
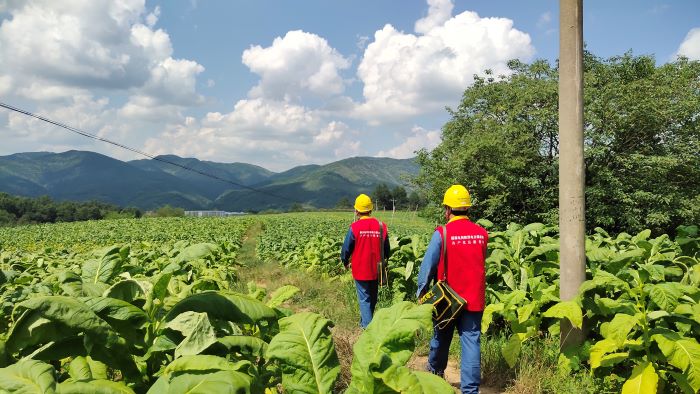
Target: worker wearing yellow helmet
465	244
366	245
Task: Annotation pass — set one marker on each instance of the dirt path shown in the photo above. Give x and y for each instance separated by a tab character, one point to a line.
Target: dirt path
330	299
451	373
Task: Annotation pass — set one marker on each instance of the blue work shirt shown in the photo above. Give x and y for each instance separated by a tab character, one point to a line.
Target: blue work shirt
349	245
428	267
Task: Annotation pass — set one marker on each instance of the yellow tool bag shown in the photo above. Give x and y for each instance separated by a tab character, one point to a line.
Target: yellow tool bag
447	304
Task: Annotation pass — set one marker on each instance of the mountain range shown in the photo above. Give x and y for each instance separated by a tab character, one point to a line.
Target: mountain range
152	183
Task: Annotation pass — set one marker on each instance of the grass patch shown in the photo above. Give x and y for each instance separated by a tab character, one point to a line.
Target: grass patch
536	371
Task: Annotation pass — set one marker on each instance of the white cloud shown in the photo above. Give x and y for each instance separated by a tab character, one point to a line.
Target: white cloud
544	20
439	12
274	134
690	47
332	133
152	18
5	84
418	139
84	112
407	75
300	63
86	45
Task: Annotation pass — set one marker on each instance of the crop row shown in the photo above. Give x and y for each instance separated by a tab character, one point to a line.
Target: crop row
639	306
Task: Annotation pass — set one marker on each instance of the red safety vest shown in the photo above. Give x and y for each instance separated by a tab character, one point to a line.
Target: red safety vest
466	254
366	252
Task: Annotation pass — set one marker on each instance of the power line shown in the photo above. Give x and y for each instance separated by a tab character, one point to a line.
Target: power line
98	138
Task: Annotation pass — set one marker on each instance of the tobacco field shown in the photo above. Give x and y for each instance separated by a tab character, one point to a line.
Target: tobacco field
150	306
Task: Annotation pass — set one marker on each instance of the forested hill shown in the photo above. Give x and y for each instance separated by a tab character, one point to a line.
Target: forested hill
147	184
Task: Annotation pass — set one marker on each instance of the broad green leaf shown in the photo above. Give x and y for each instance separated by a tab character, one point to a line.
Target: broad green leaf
509	280
304	349
542	250
279	296
85	368
224	382
198	331
682	353
430	383
204	362
665	295
513	298
602	279
161	344
614	358
644	380
124	318
388	340
618	328
408	271
511	351
525	311
682	382
28	376
71	346
53	318
126	290
95	386
102	269
228	306
609	306
401	379
196	251
566	309
487	317
599	350
160	286
642	236
653	315
242	344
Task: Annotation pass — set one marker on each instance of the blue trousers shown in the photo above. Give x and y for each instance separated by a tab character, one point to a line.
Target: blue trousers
367	298
468	326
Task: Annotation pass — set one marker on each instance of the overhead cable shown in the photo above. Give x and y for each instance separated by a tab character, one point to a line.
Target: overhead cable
150	156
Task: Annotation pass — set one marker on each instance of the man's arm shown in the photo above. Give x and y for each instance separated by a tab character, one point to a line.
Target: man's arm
348	246
428	267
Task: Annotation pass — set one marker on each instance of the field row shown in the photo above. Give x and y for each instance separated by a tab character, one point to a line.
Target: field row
139	305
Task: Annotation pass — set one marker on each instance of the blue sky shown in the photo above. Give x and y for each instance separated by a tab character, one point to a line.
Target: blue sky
284	83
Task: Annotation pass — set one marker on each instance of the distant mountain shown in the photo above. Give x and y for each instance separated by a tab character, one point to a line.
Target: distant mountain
237	173
148	184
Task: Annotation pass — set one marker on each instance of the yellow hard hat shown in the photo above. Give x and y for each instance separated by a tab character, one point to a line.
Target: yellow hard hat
363	203
457	197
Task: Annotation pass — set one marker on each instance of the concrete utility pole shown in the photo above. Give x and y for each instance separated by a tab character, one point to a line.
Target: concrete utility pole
572	219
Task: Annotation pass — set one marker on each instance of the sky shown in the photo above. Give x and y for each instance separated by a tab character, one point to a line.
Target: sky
281	83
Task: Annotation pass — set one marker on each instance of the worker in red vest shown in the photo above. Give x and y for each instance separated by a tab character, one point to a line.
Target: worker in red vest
361	249
466	252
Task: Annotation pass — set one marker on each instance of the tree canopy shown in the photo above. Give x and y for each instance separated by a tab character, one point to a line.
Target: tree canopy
642	144
26	210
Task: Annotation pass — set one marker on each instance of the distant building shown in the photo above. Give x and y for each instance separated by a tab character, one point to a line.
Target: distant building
202	214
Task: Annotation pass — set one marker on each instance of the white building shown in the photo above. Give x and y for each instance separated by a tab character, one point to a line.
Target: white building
202	214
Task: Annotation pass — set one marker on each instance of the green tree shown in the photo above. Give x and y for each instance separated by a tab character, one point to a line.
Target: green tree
6	218
415	201
344	203
296	207
642	128
168	211
400	198
382	197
